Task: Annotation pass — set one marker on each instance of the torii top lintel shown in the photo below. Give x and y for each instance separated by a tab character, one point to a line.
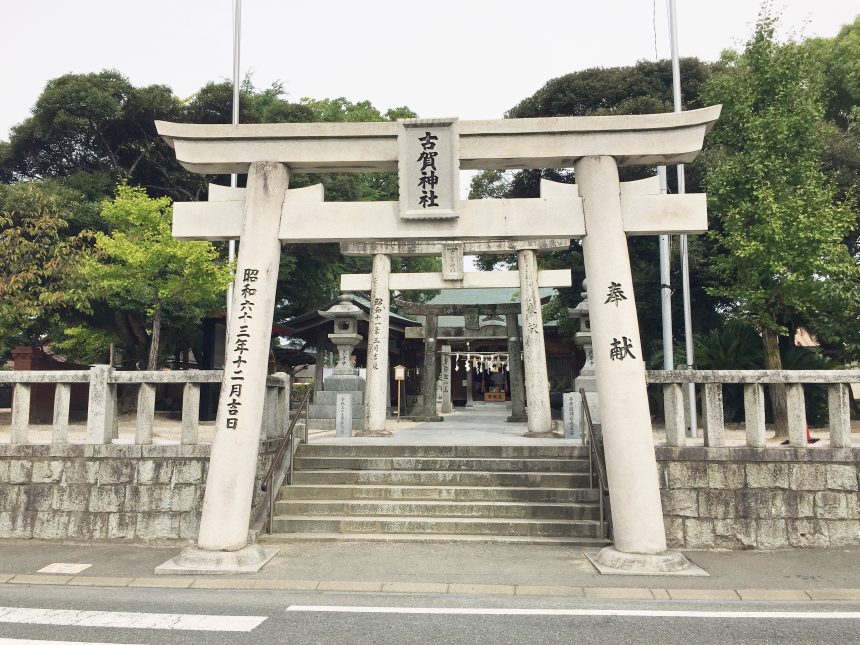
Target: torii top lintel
551	142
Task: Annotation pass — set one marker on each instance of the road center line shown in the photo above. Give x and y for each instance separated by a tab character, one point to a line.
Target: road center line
29	641
646	613
135	620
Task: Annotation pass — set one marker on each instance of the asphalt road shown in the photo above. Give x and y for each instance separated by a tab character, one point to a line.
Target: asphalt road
296	618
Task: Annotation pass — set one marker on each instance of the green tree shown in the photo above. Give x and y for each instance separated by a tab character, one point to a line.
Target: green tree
37	254
779	229
102	127
639	89
148	278
91	131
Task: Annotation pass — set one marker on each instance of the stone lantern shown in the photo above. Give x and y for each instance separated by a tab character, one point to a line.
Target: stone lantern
586	379
345	336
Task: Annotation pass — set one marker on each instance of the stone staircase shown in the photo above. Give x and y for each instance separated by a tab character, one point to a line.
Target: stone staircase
522	494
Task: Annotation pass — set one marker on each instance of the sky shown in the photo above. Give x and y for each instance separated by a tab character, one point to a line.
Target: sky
473	59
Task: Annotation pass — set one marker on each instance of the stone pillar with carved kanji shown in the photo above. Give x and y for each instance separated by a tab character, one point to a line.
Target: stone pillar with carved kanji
637	517
534	352
430	368
515	366
376	392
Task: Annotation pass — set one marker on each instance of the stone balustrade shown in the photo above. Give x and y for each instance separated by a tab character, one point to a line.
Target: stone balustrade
753	381
102	417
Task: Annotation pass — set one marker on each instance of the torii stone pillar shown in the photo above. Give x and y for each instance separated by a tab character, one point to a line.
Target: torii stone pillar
319	363
376	391
428	378
470	383
534	351
515	367
222	542
637	515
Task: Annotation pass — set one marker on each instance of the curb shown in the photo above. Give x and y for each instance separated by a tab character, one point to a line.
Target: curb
453	588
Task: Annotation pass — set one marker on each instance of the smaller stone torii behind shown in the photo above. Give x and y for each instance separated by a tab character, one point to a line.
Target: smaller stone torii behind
527	278
428	155
510	310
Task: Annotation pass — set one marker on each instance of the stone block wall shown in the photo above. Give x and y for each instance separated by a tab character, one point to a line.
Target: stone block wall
769	498
99	492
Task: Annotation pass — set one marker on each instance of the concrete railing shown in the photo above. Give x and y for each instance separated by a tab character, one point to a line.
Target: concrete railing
753	381
102	417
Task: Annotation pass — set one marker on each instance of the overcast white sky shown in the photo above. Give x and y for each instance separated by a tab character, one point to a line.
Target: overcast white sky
469	58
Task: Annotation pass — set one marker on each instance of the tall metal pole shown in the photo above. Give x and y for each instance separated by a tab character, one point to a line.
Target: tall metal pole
665	286
234	178
685	261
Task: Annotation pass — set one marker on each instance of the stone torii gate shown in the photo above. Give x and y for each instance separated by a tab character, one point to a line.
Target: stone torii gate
381	282
509	310
428	155
528	279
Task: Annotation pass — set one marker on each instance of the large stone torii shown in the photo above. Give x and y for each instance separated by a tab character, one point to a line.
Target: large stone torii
267	213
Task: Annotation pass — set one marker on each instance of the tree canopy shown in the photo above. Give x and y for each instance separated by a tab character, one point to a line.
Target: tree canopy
38	250
93	132
147	278
779	226
642	88
782	168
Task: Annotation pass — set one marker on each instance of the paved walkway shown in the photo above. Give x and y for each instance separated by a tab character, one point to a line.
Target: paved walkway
485	424
486	569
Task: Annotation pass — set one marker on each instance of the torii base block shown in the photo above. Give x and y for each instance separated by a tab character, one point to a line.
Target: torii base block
194	561
610	561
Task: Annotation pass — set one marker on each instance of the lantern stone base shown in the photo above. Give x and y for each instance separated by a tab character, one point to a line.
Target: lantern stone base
611	561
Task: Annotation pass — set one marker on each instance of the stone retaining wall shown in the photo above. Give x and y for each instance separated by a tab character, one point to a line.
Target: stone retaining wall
733	498
768	498
107	491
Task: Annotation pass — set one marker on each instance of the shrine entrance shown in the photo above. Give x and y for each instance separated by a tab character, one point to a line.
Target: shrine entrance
479	348
428	155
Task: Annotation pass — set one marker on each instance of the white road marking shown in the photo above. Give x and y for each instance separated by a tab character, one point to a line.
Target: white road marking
28	641
64	567
646	613
135	620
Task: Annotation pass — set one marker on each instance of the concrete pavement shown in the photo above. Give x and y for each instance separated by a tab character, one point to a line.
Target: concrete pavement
467	569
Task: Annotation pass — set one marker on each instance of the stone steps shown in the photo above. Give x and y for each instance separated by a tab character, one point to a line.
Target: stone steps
456	464
427	538
441	478
437	508
345	449
436	525
417	493
519	494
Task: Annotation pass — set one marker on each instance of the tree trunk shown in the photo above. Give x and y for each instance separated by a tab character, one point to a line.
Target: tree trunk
152	362
773	361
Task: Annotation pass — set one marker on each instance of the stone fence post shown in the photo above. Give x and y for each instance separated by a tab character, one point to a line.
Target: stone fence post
101	409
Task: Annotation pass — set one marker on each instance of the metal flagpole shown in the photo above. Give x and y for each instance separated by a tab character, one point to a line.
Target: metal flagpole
665	257
665	287
234	178
685	261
